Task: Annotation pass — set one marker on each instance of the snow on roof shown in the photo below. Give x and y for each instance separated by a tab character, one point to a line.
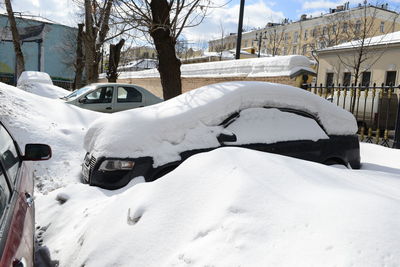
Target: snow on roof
253	67
386	39
190	121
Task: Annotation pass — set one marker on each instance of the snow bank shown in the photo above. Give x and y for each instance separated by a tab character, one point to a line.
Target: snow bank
35	119
34	76
40	83
45	90
191	120
231	207
254	67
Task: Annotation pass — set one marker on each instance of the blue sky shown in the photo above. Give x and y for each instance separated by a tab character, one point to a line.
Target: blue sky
257	13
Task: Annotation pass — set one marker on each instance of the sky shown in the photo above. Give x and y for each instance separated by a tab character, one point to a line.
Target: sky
256	15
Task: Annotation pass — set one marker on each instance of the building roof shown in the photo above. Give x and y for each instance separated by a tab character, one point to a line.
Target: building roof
36	18
385	39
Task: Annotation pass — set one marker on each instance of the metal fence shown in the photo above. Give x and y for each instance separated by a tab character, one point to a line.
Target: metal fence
376	108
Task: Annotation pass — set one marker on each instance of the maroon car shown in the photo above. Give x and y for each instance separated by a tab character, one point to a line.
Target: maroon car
16	200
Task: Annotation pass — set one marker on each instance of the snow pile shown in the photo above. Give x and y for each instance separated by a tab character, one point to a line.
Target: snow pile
40	83
45	90
231	207
254	67
34	77
35	119
190	121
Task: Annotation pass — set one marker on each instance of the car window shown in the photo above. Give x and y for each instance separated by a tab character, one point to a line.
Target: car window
101	95
4	192
271	125
79	92
128	94
9	154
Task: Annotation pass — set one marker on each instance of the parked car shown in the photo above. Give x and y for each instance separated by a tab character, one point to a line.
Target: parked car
16	199
111	97
266	117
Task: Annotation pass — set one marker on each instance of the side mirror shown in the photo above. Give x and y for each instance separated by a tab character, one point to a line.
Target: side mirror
222	138
82	100
36	152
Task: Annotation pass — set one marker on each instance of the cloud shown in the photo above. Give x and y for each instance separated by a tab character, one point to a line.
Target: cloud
60	11
318	5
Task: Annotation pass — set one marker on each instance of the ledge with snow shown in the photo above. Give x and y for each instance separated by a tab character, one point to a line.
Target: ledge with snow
282	69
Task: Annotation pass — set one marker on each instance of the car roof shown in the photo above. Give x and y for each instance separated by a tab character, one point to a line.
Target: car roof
166	123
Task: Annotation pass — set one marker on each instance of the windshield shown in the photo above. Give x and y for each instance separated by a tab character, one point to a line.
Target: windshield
79	92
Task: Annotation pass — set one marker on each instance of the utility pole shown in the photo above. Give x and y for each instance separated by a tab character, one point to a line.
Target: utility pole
240	28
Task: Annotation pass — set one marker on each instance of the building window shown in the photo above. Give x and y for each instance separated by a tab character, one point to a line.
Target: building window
286	38
366	78
285	51
390	78
329	79
382	27
346	78
334	28
304	49
321	45
305	34
358	26
294	52
324	30
314	32
345	27
295	37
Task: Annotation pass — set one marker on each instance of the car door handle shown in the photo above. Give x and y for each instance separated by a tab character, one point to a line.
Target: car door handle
108	108
28	199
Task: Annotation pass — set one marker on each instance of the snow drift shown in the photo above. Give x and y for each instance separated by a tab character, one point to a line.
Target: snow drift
231	207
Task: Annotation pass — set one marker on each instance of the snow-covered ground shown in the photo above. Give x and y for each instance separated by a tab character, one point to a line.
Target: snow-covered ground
228	207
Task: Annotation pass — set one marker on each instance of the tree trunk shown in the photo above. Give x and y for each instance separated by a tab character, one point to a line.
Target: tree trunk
20	63
115	53
79	64
169	65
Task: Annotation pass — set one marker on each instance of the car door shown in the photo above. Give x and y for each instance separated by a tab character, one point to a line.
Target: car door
17	216
278	131
100	99
128	97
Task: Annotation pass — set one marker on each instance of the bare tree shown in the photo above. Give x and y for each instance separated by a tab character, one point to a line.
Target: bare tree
164	21
97	15
20	63
275	38
364	54
220	47
113	61
79	60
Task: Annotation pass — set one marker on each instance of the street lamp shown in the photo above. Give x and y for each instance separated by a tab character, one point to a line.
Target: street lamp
259	39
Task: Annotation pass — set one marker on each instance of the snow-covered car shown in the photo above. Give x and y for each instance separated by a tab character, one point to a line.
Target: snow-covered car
267	117
111	97
16	199
40	83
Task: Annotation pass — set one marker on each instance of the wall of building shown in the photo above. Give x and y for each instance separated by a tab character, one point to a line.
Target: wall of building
154	84
56	40
384	59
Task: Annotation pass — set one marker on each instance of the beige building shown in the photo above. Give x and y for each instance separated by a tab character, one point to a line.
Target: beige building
379	62
305	36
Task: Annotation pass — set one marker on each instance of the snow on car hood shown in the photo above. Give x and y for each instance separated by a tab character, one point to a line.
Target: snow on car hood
190	121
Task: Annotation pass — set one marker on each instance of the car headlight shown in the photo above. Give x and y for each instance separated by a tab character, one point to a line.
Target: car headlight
116	165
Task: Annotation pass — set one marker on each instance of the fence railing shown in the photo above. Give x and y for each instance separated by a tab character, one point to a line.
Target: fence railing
376	108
